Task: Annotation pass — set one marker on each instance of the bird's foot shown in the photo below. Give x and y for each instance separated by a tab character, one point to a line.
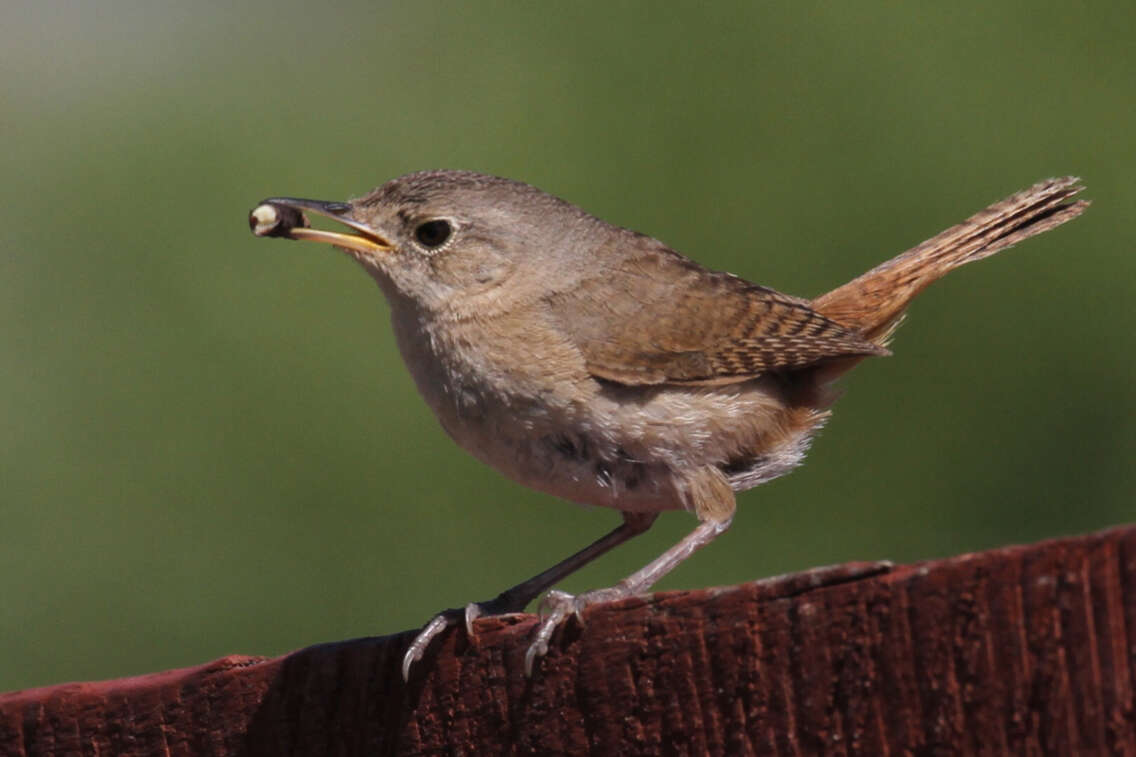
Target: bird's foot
560	605
502	605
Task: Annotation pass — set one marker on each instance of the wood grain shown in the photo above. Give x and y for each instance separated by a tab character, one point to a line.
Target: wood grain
1019	651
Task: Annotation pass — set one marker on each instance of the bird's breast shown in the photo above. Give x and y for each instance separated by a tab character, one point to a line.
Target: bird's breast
519	398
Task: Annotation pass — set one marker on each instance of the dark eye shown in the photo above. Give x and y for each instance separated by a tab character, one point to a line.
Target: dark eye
433	233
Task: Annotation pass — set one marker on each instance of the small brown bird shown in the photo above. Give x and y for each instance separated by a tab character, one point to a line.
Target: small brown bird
599	365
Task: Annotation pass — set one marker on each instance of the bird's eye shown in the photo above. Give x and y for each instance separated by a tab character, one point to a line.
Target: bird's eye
433	234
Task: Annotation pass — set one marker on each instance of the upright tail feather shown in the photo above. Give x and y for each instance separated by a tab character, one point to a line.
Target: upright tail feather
874	303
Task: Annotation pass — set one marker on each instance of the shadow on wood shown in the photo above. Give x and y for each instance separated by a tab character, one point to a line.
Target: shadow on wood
1022	650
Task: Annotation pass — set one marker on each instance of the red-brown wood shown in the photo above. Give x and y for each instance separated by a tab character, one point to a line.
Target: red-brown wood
1020	651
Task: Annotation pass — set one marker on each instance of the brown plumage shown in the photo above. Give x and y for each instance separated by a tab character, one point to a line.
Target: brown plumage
680	323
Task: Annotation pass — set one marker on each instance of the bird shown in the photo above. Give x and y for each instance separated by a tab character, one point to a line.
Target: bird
597	364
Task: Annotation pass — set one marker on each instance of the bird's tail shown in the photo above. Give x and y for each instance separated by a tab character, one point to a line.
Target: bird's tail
874	303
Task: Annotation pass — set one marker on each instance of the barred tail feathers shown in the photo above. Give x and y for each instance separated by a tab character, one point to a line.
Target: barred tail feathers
874	303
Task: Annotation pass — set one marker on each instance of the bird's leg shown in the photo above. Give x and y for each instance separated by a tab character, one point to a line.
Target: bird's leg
707	493
517	597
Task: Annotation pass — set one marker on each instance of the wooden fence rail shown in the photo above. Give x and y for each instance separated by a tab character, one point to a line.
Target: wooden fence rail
1019	651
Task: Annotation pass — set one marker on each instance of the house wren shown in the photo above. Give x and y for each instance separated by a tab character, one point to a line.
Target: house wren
599	365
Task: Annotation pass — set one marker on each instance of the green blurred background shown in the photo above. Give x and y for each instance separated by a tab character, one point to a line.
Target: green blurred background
208	442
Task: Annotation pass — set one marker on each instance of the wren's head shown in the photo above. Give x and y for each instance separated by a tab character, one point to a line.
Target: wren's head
448	239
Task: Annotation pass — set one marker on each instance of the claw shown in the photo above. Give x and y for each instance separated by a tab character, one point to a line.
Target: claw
418	647
560	605
538	648
444	620
473	611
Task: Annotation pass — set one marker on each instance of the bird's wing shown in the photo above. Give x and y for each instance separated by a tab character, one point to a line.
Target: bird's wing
657	317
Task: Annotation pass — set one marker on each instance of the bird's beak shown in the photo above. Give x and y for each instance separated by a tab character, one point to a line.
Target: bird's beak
284	217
